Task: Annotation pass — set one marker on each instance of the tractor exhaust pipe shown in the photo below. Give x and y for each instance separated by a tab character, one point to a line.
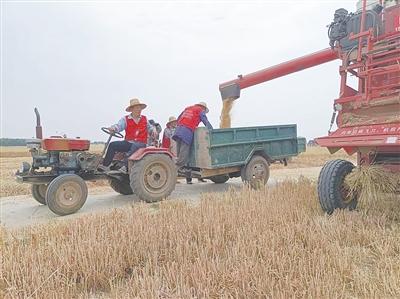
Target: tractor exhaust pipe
39	132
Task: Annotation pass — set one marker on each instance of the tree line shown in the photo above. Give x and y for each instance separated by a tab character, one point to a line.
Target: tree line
22	142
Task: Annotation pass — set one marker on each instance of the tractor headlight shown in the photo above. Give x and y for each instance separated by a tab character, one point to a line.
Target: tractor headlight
25	167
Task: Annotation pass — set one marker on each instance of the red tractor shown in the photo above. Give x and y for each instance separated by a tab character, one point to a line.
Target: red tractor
60	166
367	118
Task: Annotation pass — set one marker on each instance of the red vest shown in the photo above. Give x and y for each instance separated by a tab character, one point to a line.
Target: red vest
166	141
190	117
136	131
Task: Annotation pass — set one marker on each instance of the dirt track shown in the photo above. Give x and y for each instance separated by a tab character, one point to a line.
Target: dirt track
21	211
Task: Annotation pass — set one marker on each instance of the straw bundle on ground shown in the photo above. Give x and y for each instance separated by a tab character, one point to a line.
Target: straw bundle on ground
372	181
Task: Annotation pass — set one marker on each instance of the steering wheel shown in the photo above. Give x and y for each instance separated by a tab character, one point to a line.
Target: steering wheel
115	134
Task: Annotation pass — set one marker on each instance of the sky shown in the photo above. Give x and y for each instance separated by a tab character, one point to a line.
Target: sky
79	62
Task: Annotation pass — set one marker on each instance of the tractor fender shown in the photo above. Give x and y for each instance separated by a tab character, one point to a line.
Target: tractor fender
142	152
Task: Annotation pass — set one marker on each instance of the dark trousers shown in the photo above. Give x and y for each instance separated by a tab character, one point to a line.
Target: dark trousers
182	151
121	147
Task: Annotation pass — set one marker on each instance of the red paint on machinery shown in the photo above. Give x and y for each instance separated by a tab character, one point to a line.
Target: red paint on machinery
65	144
367	117
284	69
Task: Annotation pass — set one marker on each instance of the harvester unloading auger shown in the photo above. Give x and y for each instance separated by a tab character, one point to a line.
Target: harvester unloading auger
367	118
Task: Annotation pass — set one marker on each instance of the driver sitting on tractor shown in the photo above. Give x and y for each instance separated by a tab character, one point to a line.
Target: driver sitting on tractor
136	129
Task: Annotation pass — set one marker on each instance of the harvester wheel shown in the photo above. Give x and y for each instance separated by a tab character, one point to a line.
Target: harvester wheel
39	193
220	179
256	172
332	191
66	194
122	187
154	177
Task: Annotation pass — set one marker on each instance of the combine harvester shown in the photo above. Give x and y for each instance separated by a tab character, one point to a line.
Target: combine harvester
367	118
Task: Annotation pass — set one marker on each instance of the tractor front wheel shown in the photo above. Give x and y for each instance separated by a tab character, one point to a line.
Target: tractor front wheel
66	194
39	193
153	178
332	190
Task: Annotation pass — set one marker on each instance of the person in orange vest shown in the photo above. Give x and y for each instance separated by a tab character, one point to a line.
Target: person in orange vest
188	121
136	129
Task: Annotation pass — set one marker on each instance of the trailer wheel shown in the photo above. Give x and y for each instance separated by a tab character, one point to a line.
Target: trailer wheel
122	187
220	179
39	193
154	177
256	172
66	194
332	192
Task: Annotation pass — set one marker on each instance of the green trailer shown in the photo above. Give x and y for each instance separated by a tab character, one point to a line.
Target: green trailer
245	152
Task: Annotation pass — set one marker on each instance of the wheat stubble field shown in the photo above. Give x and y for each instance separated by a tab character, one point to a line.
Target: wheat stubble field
272	243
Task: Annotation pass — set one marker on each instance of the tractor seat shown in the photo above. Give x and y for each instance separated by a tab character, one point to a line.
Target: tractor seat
65	144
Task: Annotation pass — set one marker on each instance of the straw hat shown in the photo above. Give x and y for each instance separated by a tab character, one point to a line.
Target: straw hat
171	119
135	102
203	104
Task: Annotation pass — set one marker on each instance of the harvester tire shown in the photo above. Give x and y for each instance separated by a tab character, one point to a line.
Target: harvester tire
66	194
220	179
332	192
256	172
122	187
153	178
39	193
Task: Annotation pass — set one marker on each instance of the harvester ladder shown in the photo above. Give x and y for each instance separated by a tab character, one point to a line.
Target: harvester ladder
382	62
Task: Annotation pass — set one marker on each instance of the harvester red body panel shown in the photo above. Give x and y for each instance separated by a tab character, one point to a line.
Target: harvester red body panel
367	117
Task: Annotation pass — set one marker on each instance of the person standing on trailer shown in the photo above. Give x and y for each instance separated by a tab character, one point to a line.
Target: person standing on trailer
136	129
188	121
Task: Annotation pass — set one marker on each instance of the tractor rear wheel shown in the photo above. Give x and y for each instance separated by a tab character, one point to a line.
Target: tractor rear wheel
332	191
122	187
153	178
39	193
220	179
66	194
256	172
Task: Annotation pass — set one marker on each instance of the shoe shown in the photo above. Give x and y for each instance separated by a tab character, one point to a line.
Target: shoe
103	168
202	180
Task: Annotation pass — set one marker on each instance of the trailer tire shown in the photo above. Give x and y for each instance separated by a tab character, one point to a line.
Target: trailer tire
66	194
255	172
39	193
153	178
122	187
219	179
331	188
